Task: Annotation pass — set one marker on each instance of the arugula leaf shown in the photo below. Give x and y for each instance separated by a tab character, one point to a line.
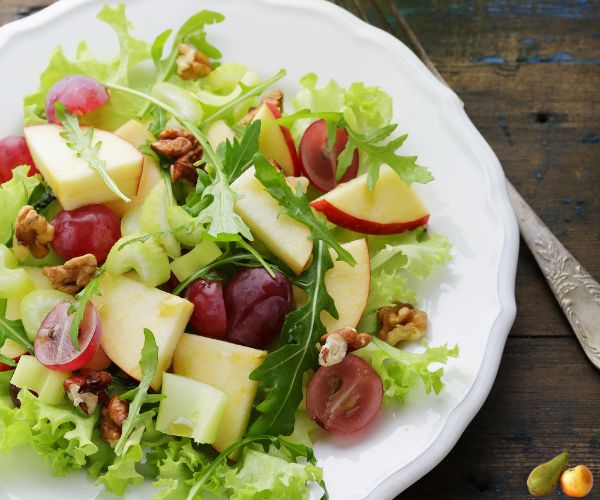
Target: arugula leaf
135	420
81	142
238	155
12	330
225	224
377	154
158	124
282	371
418	251
401	370
77	308
192	31
296	205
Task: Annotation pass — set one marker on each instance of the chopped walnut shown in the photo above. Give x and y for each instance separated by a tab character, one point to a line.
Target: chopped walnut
73	275
275	98
337	344
88	388
181	146
401	322
111	421
33	231
191	63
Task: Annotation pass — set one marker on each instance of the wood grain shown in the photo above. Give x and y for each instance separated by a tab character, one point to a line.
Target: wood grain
529	75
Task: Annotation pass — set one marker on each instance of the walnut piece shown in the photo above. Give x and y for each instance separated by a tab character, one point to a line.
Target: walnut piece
191	63
401	322
275	98
338	343
73	275
111	421
181	146
33	231
88	388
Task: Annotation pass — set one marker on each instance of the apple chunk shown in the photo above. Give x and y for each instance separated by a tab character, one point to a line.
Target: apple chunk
275	141
348	287
287	238
13	351
226	367
126	307
391	207
72	180
137	134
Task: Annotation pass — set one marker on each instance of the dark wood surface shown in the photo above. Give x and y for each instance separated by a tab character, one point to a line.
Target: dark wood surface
529	74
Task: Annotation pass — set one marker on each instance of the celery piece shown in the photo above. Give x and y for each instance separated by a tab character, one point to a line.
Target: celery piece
147	258
154	219
190	409
36	305
131	222
180	99
14	282
47	384
201	255
189	236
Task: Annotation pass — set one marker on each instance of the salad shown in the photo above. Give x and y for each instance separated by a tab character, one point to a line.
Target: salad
197	282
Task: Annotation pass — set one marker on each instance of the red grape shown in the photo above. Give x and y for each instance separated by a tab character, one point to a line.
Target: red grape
256	306
14	152
209	317
53	344
345	397
91	229
318	162
79	94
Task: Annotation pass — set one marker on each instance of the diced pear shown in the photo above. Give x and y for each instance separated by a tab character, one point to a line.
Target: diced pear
126	307
190	409
219	132
72	180
226	367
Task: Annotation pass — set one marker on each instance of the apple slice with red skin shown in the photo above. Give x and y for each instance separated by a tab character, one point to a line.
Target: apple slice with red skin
391	207
11	350
276	142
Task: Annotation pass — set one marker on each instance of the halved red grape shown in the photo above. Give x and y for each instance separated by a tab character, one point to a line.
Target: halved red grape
53	344
79	94
256	306
91	229
345	397
14	152
318	162
209	317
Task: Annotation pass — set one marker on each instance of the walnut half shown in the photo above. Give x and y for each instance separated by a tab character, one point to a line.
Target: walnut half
191	63
401	322
183	148
73	275
111	421
338	343
33	231
88	388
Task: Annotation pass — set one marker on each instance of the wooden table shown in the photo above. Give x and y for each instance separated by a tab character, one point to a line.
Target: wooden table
529	74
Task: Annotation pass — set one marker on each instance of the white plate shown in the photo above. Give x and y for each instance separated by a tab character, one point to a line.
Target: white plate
470	303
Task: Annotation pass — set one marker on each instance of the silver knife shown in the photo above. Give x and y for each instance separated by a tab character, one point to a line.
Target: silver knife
577	292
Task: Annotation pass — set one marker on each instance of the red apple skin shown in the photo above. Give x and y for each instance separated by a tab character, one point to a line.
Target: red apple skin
5	368
287	136
348	221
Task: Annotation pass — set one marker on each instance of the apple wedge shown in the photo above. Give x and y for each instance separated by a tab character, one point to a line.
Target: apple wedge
287	238
391	207
72	180
219	132
348	287
13	351
276	142
136	134
226	367
126	307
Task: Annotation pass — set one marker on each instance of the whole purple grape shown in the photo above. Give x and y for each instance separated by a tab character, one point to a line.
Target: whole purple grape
256	306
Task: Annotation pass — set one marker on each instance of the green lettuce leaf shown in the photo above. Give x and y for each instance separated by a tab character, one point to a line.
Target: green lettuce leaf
270	475
122	472
386	288
120	108
13	195
418	251
61	435
400	371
